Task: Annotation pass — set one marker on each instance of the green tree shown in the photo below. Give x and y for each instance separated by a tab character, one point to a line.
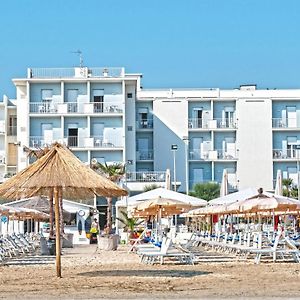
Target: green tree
287	184
129	222
150	187
289	190
206	191
113	172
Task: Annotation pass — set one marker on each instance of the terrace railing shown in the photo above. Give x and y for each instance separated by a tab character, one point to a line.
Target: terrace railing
50	107
144	155
78	142
144	124
196	154
151	176
285	154
285	123
75	72
197	123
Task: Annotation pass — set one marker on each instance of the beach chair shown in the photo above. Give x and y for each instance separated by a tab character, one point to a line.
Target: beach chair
272	251
166	252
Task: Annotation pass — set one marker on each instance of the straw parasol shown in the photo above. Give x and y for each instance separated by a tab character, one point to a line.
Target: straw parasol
59	172
3	210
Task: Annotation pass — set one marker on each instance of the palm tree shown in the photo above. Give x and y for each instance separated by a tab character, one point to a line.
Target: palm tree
114	172
287	186
129	223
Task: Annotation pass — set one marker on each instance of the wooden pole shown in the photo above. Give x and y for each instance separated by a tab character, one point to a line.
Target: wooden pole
51	213
57	233
62	231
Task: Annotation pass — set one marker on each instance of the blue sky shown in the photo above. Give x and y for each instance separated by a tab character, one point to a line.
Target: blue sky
191	43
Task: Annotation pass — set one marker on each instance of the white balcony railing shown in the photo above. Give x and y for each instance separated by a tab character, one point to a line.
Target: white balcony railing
144	124
81	72
150	176
285	123
196	154
285	154
75	107
195	123
144	155
78	142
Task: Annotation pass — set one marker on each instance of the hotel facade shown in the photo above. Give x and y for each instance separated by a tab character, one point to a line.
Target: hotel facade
104	115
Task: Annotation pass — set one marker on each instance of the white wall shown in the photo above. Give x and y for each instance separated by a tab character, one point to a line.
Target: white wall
254	141
170	125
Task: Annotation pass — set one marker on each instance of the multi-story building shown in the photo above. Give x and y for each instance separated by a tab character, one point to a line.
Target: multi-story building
104	115
8	138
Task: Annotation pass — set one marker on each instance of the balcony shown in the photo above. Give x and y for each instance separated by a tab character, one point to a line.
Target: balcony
144	124
196	154
98	142
288	123
12	130
50	107
78	72
150	176
285	154
144	155
217	123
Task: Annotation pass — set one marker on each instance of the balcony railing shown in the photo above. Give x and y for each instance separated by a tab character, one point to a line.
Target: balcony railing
285	154
144	155
285	123
146	176
12	130
77	142
82	72
144	124
196	154
195	123
75	107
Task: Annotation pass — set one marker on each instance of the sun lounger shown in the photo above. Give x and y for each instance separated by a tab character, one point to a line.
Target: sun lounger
166	251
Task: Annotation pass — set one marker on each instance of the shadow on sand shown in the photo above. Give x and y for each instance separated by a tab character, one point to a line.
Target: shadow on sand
146	273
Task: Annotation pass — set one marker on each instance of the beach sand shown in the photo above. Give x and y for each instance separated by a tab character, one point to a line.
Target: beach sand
92	274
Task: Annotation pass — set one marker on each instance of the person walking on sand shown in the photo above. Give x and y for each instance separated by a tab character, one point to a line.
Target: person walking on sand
94	229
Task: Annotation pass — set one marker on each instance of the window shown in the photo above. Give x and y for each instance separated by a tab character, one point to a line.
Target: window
47	94
129	95
72	95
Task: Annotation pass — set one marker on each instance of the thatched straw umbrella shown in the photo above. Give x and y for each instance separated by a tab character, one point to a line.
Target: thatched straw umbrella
61	173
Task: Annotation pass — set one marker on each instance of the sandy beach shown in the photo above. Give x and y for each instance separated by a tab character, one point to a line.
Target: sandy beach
92	274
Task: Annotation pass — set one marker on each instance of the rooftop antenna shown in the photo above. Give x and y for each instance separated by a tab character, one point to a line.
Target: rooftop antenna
79	53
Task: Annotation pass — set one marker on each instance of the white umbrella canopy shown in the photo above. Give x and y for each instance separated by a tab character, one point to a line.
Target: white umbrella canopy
278	185
161	202
234	197
163	193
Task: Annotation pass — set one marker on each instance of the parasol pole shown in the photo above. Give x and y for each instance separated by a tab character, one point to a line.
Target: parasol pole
57	229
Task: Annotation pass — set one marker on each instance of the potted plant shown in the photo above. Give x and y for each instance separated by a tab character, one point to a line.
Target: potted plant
129	223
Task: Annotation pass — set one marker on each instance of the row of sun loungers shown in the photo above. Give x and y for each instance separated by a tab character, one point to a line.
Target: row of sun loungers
16	245
257	244
242	245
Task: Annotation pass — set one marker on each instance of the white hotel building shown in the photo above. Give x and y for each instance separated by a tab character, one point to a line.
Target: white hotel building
105	115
